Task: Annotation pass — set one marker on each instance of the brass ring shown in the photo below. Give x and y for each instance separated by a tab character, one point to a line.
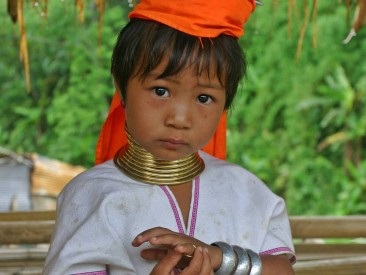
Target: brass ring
190	256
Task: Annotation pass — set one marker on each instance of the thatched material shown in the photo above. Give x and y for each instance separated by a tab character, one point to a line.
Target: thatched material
49	176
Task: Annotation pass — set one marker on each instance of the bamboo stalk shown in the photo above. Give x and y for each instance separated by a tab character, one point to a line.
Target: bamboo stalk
328	227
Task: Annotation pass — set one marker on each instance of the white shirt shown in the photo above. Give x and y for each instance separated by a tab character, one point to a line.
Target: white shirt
102	210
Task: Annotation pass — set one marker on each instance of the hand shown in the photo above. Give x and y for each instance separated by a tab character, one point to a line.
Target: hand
200	263
164	240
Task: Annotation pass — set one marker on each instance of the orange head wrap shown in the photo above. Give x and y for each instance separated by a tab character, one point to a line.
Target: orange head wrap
201	18
198	18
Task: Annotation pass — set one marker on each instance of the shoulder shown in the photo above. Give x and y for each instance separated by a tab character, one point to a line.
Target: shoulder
222	174
226	170
96	183
99	173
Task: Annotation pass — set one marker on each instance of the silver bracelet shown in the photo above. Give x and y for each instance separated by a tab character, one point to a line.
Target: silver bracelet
243	265
256	263
229	259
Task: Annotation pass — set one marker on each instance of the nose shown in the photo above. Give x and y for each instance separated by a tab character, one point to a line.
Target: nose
179	116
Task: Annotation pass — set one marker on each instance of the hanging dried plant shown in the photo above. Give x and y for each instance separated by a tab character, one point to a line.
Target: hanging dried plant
23	44
315	23
302	30
307	17
79	4
289	16
100	4
13	10
359	20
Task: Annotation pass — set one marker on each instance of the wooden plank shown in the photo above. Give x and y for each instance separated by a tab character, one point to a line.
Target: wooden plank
313	258
32	254
340	266
27	216
305	251
22	260
21	270
26	232
31	227
36	227
328	227
302	227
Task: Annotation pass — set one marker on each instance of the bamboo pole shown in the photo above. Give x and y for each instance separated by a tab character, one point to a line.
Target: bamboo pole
328	227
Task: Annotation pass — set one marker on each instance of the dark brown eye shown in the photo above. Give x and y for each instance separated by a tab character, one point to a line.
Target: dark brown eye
159	91
205	99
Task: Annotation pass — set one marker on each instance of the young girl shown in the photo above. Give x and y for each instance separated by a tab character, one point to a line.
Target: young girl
162	205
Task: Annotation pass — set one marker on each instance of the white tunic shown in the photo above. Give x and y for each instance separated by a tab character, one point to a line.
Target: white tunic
102	210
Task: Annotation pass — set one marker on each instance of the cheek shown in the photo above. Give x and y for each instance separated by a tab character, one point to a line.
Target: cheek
140	118
133	116
209	122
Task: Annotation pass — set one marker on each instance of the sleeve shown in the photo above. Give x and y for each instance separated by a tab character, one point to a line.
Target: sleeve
278	239
84	241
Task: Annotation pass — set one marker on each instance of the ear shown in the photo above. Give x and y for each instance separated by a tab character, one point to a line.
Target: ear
118	91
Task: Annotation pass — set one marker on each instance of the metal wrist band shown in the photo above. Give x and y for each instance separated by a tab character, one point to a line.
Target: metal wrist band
243	265
229	259
256	263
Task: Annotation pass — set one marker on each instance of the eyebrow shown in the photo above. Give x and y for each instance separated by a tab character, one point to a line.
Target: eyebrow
210	85
171	78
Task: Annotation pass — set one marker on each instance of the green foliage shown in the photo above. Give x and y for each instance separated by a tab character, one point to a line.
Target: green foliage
298	121
71	85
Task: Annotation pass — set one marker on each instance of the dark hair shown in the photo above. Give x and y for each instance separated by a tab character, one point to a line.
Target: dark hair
142	45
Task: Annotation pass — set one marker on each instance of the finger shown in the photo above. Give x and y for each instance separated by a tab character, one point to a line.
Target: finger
166	264
195	265
149	234
172	239
186	249
197	258
188	252
153	253
206	267
200	263
168	240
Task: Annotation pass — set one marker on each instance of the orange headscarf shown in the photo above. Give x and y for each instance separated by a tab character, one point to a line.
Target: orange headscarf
200	18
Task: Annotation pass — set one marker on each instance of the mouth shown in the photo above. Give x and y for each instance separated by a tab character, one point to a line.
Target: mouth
172	143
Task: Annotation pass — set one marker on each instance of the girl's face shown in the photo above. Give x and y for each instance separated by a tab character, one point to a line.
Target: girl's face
174	116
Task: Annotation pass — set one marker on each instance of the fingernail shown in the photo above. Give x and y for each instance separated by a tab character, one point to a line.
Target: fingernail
136	238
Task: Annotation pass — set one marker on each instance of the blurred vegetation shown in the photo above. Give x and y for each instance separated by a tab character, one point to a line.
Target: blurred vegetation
299	121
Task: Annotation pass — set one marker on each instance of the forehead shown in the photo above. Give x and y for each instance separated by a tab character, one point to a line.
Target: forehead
170	65
187	76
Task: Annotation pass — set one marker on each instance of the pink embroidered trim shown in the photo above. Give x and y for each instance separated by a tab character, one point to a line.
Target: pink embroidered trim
279	250
195	206
174	208
194	210
293	259
176	213
101	272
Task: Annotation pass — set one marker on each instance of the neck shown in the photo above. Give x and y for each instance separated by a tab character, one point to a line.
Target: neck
139	164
